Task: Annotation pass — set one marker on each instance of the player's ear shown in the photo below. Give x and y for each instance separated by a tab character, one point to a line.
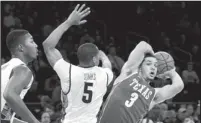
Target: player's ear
20	48
94	59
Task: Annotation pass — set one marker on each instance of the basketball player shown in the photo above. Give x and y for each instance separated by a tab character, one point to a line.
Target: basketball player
83	86
132	96
17	78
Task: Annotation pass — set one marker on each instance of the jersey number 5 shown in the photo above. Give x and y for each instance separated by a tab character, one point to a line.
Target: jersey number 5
134	97
87	97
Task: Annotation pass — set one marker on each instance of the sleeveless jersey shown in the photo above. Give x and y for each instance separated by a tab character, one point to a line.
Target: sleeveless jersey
128	102
6	70
87	86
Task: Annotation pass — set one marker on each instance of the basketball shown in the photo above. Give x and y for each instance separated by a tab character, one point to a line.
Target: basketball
165	62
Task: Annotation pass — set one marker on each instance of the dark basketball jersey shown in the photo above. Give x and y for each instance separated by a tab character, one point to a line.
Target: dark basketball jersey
128	102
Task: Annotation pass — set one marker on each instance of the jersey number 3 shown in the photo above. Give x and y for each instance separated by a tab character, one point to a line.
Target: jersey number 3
134	97
87	97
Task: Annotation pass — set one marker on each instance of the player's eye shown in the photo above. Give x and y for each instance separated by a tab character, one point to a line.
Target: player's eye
148	64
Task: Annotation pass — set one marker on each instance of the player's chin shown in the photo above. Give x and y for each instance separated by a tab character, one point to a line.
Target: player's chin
151	77
35	56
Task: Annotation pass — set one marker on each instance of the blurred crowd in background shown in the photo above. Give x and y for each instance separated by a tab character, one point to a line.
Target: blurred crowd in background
116	28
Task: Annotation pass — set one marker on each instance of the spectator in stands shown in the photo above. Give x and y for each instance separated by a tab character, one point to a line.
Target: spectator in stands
46	30
155	114
86	38
42	73
50	84
163	107
99	42
116	61
196	115
191	81
169	116
196	56
189	75
189	110
56	93
44	101
147	120
45	117
183	44
167	45
111	41
188	120
181	114
49	109
8	19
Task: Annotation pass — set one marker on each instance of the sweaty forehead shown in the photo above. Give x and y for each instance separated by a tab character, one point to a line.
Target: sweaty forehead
150	59
26	37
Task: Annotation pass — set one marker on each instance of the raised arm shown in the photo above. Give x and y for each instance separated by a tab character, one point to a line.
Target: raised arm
105	60
169	91
107	65
20	80
75	18
136	57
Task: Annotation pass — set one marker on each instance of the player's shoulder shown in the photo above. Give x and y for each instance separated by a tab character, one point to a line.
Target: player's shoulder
22	69
107	70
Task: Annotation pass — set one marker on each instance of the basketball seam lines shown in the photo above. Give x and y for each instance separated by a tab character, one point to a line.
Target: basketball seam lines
165	61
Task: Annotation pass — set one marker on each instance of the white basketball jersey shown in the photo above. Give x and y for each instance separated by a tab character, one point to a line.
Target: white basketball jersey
86	90
6	70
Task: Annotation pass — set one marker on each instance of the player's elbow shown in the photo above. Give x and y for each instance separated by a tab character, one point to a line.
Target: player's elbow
46	45
180	87
144	47
8	95
143	43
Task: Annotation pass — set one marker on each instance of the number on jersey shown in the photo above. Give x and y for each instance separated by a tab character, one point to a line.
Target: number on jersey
87	97
134	97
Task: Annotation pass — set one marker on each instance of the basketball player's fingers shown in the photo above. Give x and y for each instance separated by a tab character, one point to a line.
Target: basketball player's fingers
85	11
80	9
85	14
77	6
82	22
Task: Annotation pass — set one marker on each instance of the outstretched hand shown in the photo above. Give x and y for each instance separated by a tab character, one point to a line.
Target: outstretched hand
75	18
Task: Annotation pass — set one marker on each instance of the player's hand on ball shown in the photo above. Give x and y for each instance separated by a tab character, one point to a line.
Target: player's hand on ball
75	18
168	74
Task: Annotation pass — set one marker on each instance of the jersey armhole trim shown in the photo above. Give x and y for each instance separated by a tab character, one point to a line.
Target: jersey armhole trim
107	79
69	81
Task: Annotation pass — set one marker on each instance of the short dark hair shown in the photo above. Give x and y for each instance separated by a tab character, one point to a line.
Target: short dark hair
13	38
147	55
86	52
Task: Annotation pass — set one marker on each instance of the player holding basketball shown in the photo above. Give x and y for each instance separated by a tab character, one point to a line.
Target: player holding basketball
17	78
132	96
83	86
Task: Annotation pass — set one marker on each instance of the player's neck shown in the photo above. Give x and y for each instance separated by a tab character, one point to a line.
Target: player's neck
144	78
86	65
22	58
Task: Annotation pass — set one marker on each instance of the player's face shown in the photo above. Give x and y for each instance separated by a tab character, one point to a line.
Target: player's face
190	67
30	48
149	68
